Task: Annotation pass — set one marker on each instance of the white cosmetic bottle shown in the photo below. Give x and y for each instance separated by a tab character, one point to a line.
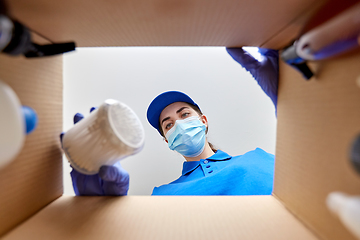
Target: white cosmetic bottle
12	125
347	208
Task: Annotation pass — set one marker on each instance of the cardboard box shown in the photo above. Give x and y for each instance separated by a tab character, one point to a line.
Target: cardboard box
317	121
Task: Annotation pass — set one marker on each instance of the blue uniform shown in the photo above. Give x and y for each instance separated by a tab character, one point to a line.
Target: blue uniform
222	174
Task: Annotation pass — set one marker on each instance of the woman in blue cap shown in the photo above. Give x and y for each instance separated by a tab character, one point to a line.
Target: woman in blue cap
206	171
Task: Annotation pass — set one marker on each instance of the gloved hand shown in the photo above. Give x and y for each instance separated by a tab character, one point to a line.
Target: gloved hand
110	181
266	72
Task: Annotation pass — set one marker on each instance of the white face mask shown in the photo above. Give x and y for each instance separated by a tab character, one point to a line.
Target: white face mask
187	137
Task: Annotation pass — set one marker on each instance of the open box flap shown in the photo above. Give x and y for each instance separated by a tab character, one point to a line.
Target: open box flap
164	217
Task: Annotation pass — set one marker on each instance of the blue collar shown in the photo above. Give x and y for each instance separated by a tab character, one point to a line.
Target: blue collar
191	166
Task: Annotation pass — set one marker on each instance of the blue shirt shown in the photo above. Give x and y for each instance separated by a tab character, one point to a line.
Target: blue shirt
222	174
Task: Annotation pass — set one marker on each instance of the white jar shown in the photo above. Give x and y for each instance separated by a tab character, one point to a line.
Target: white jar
109	134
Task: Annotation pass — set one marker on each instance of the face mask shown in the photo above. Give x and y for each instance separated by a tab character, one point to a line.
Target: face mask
187	137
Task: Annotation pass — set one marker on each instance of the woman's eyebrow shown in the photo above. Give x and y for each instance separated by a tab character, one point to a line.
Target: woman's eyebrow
181	109
167	118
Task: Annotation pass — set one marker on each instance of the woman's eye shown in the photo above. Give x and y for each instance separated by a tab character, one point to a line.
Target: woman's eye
168	126
185	115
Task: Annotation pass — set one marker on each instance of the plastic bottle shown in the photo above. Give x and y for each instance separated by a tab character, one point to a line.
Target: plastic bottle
15	122
347	208
336	36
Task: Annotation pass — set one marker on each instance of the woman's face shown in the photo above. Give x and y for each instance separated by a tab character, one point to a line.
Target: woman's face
177	111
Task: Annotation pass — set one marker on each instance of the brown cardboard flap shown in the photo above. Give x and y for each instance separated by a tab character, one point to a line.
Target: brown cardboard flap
317	122
164	23
155	217
34	178
292	31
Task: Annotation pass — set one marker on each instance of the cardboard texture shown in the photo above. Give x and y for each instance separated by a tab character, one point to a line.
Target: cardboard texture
292	30
147	217
165	23
317	122
319	12
34	178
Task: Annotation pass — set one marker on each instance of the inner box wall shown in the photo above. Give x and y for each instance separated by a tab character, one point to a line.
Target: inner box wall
317	123
34	178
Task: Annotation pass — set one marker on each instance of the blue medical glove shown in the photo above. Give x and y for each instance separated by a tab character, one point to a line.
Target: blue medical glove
110	181
265	72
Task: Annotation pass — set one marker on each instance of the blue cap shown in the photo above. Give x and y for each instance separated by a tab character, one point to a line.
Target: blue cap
162	101
31	118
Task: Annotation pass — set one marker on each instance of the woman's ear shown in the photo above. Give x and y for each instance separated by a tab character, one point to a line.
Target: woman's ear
204	120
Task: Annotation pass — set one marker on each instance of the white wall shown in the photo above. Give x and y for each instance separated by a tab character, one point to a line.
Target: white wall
241	117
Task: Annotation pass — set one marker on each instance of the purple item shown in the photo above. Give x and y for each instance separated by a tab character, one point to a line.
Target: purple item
266	72
337	48
110	181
